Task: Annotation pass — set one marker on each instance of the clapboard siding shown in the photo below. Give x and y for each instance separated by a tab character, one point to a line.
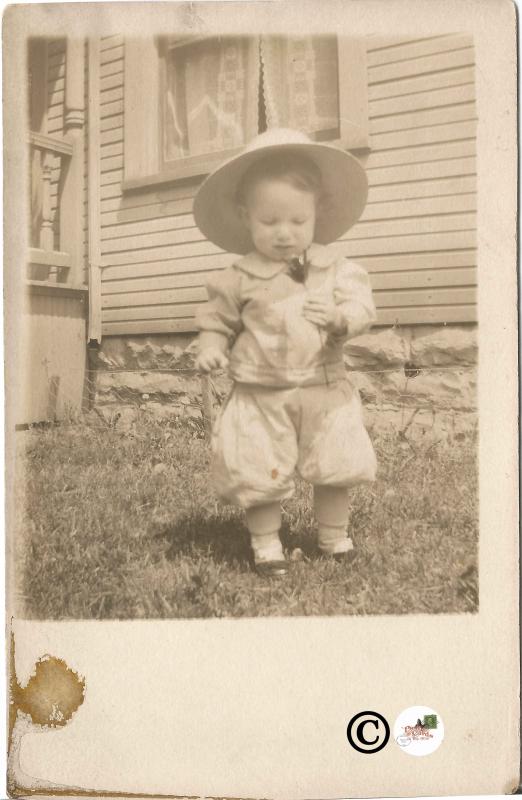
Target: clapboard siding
423	119
417	236
422	65
165	289
421	170
415	48
424	83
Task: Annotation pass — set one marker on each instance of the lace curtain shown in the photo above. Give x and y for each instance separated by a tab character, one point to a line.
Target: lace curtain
212	98
301	84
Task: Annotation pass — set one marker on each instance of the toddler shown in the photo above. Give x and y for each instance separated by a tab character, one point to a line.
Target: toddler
278	318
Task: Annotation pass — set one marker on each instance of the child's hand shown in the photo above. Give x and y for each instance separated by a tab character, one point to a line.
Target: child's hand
211	358
320	310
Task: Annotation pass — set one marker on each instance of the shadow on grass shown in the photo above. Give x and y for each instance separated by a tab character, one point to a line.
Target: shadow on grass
224	540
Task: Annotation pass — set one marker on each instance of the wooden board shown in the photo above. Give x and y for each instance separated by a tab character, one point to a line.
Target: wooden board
172	236
423	118
421	172
110	149
419	261
424	278
181	289
421	154
176	295
397	209
418	49
389	316
409	244
454	95
431	223
111	135
439	187
181	251
186	325
427	314
422	83
166	267
452	132
160	311
126	229
109	122
132	286
119	209
423	297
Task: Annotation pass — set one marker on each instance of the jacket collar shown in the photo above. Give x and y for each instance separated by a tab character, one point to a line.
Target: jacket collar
258	266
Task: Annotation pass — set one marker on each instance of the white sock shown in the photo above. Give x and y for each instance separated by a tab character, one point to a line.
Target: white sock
267	546
333	539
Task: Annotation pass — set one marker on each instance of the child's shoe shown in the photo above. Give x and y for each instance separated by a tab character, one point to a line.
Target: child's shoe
268	556
345	557
335	543
271	569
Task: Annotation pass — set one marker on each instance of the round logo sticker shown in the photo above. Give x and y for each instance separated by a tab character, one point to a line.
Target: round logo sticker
418	730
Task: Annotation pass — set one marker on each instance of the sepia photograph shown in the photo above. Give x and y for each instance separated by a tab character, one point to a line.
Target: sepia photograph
260	325
250	327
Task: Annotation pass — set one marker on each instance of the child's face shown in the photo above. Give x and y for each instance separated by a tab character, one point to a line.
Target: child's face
280	218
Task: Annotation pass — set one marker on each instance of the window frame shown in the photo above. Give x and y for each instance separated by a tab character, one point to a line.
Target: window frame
144	87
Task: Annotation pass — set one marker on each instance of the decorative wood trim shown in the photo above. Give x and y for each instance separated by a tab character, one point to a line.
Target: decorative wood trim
72	179
38	64
49	258
51	144
46	238
94	332
74	83
57	289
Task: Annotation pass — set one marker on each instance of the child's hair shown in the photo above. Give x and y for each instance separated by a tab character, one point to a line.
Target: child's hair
293	168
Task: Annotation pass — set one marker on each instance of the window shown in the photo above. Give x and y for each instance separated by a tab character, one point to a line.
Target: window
210	97
191	102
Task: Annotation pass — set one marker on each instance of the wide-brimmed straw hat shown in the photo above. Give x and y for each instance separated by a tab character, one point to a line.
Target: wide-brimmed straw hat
343	179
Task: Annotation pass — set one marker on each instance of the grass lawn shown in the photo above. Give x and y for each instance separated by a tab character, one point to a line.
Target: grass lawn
122	525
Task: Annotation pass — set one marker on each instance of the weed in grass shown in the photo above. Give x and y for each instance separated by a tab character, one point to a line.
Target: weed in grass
124	525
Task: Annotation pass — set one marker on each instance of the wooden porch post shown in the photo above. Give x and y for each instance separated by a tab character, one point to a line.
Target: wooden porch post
94	330
38	123
72	198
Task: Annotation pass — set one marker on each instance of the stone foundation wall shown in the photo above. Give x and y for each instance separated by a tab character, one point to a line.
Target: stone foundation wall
420	378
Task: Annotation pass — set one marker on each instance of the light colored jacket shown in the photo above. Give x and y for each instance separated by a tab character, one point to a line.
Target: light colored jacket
255	310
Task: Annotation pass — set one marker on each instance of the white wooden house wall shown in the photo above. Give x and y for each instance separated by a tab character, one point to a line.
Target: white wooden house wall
417	234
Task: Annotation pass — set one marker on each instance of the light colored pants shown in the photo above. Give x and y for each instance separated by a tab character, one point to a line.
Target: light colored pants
263	435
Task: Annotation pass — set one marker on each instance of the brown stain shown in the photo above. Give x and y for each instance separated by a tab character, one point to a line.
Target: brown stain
274	473
52	694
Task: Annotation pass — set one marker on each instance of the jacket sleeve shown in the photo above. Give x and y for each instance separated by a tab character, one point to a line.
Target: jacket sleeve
219	320
353	297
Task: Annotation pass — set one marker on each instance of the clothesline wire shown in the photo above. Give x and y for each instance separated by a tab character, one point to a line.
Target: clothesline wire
191	371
